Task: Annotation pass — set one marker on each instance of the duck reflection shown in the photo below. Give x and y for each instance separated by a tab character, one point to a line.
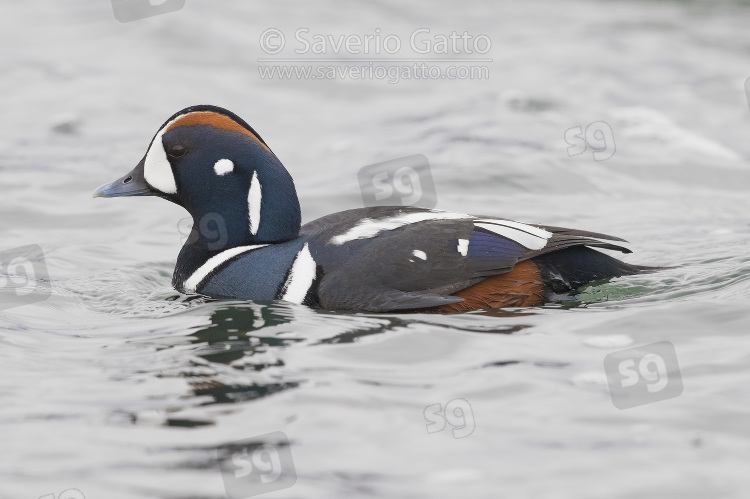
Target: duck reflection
250	337
234	338
234	332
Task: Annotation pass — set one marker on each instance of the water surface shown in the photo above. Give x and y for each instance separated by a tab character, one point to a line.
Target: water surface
121	388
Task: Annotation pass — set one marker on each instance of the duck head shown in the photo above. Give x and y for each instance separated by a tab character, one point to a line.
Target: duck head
209	161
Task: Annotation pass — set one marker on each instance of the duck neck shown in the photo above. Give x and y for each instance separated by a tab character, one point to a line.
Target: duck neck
229	226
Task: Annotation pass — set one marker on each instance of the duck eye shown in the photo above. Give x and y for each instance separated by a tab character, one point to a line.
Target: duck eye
177	151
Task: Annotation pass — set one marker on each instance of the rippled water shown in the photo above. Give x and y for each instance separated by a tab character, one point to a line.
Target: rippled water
120	388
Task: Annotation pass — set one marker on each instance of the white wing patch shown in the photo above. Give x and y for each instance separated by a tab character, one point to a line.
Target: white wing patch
301	277
254	198
368	228
156	170
537	231
463	246
195	280
223	166
527	236
420	254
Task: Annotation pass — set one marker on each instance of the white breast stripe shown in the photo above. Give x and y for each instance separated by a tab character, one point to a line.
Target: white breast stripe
520	226
368	227
301	277
192	282
463	246
523	238
156	170
254	198
420	254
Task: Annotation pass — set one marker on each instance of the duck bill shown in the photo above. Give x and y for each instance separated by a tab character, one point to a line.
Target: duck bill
130	184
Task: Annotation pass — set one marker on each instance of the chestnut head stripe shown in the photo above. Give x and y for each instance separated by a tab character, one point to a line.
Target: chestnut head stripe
214	119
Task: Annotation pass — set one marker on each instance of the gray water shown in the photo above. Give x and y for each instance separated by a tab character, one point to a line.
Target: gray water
118	387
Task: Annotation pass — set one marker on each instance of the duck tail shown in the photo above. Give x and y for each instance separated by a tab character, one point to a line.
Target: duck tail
568	269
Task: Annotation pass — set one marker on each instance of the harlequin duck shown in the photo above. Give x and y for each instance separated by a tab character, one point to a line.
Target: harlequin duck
209	161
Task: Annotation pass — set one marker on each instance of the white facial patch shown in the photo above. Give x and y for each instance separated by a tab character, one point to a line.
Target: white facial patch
301	277
223	166
156	170
527	236
368	227
420	254
254	198
463	246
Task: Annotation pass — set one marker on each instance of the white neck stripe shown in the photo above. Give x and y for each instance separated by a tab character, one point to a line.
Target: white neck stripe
195	280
